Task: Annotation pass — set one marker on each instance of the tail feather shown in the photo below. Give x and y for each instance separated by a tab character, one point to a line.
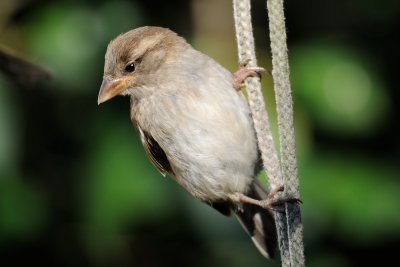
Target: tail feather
259	223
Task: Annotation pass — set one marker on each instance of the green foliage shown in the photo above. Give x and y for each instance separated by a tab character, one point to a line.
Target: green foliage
23	210
121	186
356	197
340	88
70	39
8	132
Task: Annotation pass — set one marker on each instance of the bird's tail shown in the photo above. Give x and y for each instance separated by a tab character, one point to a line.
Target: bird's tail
259	223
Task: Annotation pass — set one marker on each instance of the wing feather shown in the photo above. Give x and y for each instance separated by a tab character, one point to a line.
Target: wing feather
154	152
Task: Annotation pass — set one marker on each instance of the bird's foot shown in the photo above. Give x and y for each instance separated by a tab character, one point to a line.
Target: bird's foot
272	202
244	72
276	202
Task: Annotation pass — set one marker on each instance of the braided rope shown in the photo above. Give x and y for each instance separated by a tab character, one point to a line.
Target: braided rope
288	224
245	40
283	95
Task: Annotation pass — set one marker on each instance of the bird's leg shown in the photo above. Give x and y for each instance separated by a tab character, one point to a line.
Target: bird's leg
269	203
243	72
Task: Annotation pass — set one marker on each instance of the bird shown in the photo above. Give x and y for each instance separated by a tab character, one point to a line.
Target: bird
194	123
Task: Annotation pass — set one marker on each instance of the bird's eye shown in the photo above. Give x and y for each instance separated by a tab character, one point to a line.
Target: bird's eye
130	67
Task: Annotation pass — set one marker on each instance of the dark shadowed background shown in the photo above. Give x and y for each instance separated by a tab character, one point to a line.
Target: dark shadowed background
76	188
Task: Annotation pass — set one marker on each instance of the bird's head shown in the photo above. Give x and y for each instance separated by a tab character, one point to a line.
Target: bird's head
133	60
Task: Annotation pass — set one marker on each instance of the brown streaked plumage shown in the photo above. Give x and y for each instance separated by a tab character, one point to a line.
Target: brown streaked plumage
193	124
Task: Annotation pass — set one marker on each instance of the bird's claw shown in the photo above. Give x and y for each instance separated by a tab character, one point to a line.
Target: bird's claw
244	72
276	203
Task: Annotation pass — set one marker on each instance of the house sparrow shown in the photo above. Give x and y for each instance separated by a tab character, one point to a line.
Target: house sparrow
193	124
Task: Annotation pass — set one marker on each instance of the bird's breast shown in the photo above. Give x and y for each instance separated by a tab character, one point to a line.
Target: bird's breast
206	133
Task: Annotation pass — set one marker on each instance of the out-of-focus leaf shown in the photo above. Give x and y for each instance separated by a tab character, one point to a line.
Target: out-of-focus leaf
122	186
20	70
70	39
22	209
341	89
8	129
66	39
355	198
128	14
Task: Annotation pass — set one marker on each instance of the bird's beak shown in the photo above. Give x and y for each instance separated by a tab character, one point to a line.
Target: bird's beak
110	88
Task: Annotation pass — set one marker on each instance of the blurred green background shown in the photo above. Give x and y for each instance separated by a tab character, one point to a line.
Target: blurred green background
76	188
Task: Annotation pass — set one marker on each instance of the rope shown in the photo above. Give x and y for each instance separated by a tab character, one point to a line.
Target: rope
283	95
245	40
288	224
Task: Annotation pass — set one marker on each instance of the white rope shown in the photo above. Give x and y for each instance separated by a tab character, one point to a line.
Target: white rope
284	105
288	224
245	41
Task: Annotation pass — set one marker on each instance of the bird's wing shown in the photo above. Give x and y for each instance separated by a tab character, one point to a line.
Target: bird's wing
155	153
153	149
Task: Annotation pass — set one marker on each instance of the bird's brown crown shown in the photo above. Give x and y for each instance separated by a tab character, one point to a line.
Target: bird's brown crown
135	44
